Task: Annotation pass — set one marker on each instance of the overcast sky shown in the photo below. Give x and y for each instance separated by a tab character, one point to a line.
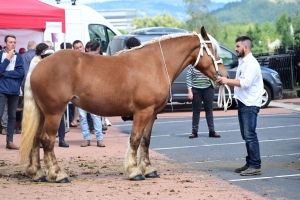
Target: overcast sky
92	1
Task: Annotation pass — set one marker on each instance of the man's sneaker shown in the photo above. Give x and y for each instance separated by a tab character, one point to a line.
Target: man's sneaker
4	131
250	172
239	170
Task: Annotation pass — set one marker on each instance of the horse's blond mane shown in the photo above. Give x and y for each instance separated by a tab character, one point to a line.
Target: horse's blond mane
215	44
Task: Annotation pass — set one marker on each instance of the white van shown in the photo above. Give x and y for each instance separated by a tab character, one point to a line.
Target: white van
85	24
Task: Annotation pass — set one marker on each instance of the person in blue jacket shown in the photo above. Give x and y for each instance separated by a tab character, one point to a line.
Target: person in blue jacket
11	75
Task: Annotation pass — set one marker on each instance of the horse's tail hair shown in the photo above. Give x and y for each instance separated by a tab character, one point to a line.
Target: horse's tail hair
30	121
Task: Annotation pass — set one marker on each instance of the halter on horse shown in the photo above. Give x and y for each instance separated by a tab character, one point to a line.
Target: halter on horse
135	83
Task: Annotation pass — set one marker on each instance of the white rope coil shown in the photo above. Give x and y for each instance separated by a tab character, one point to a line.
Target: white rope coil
222	98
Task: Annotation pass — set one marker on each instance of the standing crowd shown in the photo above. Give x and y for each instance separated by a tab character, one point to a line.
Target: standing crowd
14	68
248	90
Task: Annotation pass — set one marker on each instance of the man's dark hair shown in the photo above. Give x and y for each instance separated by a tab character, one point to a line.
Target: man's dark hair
245	40
68	45
87	46
40	48
76	42
7	36
94	45
132	42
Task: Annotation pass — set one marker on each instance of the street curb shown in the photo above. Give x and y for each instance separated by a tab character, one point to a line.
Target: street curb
288	94
285	105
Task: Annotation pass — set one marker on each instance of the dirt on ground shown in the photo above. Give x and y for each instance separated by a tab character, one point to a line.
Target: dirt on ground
98	173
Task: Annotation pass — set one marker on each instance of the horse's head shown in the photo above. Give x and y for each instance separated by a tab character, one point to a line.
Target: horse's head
210	63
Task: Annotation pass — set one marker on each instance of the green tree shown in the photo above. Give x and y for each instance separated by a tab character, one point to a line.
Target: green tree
198	16
283	29
258	42
166	20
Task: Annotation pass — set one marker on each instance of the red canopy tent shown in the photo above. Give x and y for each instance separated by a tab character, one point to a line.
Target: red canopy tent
29	14
27	20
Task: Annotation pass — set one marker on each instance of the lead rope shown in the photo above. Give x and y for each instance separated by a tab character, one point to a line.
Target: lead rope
163	57
222	98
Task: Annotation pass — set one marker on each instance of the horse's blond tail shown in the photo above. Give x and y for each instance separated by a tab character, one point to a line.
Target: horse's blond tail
30	121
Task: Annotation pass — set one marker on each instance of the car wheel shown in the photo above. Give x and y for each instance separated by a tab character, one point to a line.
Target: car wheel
266	97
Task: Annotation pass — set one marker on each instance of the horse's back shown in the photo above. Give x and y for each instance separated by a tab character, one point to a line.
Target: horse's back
87	80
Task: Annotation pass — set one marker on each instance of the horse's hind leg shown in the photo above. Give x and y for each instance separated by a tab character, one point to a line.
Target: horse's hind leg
34	167
139	123
144	162
54	173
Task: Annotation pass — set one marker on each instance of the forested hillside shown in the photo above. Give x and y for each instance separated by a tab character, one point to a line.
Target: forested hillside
256	10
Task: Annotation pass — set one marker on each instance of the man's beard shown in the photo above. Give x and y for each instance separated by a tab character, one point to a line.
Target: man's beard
241	54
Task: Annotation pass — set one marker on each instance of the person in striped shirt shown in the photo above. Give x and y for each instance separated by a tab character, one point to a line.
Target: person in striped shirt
200	90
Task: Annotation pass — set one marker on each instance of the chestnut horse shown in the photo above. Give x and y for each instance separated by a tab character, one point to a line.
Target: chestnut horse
134	83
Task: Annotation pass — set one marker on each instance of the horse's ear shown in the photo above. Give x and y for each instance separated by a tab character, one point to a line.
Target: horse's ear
204	34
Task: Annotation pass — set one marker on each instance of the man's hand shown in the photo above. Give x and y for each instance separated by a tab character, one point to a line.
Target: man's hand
222	80
10	54
228	81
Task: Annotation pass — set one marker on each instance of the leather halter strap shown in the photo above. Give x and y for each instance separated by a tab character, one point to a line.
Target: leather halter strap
221	97
203	45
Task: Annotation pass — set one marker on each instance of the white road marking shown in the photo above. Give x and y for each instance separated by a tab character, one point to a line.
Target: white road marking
222	144
266	177
211	161
234	130
189	120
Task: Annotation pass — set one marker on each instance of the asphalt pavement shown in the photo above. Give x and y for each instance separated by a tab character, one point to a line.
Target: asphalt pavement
278	131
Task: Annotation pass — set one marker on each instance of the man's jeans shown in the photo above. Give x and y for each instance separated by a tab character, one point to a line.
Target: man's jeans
247	118
12	104
4	117
85	128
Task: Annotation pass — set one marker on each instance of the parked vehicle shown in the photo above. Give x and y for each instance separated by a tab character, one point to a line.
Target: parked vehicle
271	79
85	24
157	31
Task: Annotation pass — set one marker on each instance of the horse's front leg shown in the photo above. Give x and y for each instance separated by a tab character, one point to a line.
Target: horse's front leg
34	167
144	161
139	123
54	173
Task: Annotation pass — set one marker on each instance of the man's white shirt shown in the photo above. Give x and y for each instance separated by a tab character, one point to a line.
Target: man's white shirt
12	63
252	86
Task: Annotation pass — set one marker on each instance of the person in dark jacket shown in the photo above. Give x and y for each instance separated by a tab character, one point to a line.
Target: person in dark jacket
27	57
11	75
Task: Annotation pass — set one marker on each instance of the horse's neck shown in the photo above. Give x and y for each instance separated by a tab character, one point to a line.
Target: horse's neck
177	54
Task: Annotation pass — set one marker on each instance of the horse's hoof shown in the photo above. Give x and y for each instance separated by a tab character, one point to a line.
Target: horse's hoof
42	180
138	178
152	175
65	180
